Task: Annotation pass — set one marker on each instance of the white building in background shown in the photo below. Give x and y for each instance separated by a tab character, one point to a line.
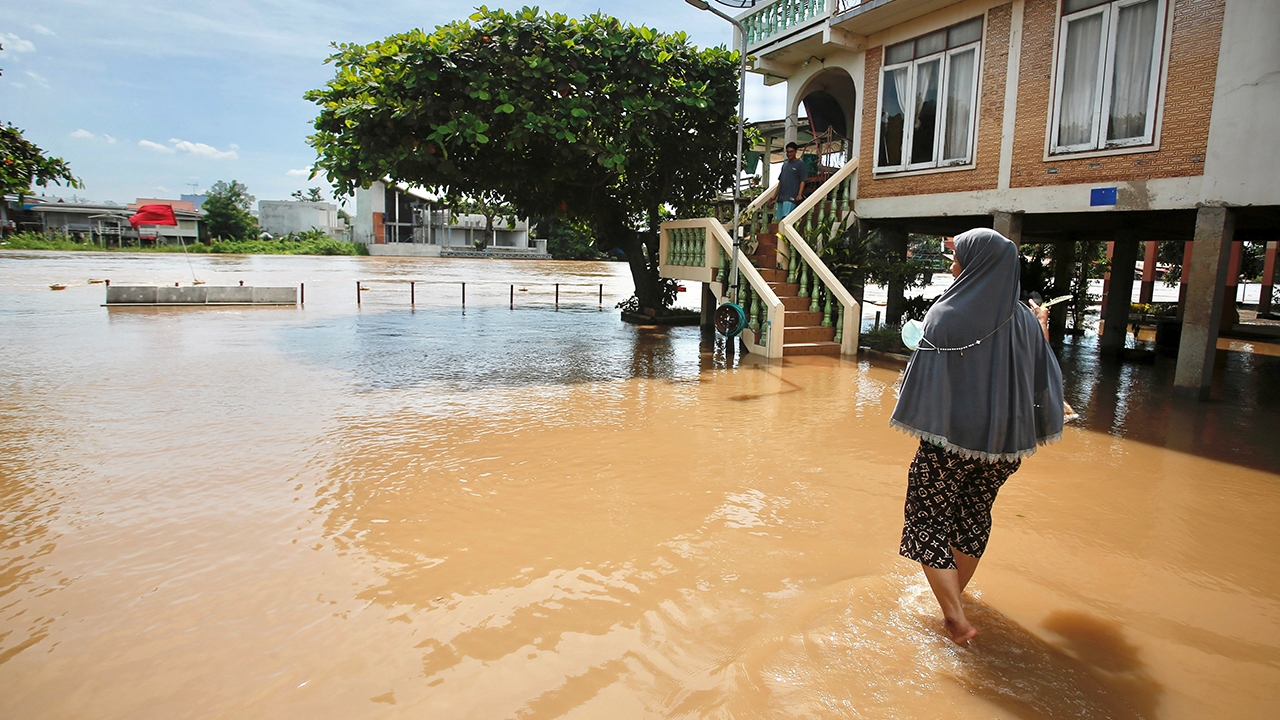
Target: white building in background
395	219
281	217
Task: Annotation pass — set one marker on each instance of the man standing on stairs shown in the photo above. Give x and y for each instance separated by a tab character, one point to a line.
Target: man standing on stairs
791	181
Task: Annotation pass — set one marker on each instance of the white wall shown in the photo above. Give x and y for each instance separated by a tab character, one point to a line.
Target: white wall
1244	154
281	217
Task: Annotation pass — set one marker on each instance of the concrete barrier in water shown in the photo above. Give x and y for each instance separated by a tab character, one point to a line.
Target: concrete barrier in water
200	295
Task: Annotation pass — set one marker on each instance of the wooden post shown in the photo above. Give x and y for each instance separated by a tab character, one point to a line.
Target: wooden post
1268	279
302	293
412	294
1148	289
357	292
557	296
513	297
602	293
1187	249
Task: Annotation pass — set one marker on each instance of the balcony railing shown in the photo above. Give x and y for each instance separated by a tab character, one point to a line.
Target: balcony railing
781	16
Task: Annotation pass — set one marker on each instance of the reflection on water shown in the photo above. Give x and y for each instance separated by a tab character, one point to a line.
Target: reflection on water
1134	400
389	511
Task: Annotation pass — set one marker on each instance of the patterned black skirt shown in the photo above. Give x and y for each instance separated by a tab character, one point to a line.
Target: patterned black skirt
949	499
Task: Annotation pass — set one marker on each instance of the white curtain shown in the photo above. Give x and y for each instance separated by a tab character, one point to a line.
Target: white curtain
893	146
925	127
955	146
1079	99
1131	78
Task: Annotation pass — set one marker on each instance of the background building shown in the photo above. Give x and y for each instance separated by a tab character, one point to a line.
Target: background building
282	217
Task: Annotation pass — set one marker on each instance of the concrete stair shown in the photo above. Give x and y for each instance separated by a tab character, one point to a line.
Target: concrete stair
803	333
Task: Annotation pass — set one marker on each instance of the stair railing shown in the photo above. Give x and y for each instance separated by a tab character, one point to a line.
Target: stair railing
806	268
698	250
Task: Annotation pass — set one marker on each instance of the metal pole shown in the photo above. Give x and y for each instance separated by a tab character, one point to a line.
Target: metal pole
302	293
557	296
601	295
412	297
513	297
737	175
357	293
464	294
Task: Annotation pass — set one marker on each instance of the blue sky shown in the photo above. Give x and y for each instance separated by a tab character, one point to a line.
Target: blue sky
147	98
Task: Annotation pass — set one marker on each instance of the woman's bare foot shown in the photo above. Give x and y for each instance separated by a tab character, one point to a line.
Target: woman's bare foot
960	630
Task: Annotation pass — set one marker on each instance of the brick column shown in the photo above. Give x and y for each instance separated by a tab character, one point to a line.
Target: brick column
1148	289
1229	314
1124	259
1215	227
1268	279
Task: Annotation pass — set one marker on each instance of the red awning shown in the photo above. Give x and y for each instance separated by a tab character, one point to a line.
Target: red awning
153	215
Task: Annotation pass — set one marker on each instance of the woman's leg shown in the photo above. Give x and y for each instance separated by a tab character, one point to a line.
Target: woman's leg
965	565
947	588
931	491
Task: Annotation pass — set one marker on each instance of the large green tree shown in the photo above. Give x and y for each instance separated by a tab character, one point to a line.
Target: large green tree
226	212
589	120
23	164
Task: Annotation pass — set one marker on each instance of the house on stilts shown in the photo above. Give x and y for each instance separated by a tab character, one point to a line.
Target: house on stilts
1052	121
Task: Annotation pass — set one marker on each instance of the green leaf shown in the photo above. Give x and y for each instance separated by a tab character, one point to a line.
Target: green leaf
505	108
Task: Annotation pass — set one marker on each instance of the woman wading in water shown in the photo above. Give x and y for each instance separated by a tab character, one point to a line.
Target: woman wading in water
982	392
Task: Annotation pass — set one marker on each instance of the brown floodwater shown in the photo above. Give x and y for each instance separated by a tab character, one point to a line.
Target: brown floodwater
388	511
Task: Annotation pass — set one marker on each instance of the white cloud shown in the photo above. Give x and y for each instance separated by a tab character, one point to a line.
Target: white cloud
234	146
82	133
155	146
108	138
303	172
18	84
38	78
42	29
202	150
161	188
16	44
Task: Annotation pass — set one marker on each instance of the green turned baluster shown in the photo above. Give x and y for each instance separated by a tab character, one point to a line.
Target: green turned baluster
702	250
818	287
839	322
826	310
686	248
724	268
673	247
793	265
803	277
755	313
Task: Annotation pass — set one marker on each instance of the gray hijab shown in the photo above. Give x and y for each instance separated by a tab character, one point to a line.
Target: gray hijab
984	382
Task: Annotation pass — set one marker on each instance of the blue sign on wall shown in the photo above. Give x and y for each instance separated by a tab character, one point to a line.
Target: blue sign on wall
1102	196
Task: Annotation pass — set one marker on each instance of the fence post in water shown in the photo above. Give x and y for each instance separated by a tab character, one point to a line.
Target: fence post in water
877	325
557	296
464	294
412	299
513	297
357	293
302	293
602	295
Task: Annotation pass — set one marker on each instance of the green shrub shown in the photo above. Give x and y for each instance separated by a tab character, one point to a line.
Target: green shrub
885	338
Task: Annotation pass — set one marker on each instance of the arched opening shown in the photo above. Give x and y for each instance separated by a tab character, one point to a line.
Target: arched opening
830	101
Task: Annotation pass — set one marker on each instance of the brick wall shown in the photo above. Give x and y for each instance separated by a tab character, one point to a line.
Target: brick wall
984	174
1187	102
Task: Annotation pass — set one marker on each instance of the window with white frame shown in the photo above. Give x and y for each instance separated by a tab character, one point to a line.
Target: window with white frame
928	96
1108	74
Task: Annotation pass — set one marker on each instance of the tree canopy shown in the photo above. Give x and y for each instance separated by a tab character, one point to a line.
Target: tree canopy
589	120
226	212
312	194
23	164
